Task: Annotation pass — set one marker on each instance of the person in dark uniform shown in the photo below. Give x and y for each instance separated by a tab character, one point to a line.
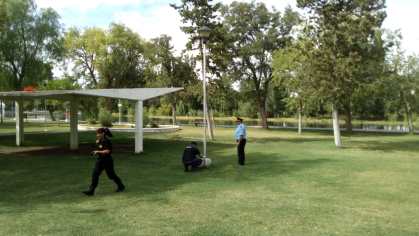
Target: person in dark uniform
240	136
191	157
104	162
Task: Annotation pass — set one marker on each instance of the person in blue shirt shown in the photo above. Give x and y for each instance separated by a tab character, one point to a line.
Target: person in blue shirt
240	136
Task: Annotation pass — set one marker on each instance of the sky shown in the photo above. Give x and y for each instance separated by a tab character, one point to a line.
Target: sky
151	18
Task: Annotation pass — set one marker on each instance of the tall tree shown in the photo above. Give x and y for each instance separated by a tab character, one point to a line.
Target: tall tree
172	71
401	81
197	14
348	49
85	49
254	34
291	71
30	41
124	63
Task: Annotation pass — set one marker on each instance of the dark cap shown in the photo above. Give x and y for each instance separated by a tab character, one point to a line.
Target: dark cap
194	143
239	119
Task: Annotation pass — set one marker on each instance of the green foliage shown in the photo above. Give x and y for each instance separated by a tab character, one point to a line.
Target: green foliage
27	55
347	49
251	45
247	109
124	64
86	49
105	118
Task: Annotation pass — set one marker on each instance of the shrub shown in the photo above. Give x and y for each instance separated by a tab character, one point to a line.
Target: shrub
105	118
91	121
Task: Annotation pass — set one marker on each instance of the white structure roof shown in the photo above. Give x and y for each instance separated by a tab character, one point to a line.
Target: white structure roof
136	94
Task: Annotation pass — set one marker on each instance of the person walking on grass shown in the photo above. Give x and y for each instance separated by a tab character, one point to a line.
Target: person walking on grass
240	136
104	161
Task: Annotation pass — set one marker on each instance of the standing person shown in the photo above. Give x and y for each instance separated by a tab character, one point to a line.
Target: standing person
240	135
104	161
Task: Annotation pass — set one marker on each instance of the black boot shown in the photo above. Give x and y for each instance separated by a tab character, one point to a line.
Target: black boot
120	188
89	192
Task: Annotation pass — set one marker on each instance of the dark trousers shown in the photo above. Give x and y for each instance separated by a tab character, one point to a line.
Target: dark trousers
194	163
107	165
240	151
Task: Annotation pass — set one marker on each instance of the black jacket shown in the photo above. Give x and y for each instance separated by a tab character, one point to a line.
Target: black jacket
190	153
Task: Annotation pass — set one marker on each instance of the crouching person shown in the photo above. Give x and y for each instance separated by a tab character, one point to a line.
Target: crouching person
192	158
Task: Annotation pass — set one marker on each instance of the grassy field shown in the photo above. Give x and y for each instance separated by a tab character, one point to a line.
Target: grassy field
291	185
294	120
9	127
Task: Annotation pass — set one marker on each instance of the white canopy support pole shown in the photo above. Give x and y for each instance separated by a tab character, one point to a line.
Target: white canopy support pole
19	122
139	127
74	138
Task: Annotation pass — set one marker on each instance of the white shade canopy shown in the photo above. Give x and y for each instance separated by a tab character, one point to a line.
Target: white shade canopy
74	96
136	94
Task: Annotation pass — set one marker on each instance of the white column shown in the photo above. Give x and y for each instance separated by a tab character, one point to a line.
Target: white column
19	122
139	127
74	137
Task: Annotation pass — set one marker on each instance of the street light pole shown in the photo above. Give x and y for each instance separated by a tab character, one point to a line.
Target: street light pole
204	35
204	81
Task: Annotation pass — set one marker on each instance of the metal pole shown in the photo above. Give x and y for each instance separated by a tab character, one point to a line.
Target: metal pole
205	96
120	111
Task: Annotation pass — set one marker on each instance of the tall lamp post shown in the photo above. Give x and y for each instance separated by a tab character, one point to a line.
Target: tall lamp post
204	33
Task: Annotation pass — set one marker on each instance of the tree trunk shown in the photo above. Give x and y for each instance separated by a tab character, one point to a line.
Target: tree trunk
263	115
300	116
210	120
174	114
51	113
348	118
409	114
336	129
410	121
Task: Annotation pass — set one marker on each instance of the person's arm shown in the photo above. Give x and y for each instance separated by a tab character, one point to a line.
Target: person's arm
107	148
106	151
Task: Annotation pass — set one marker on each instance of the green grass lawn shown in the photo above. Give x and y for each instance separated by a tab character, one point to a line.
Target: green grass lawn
291	185
9	127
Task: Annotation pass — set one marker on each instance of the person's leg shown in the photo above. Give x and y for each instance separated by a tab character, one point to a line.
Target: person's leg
110	171
240	150
243	152
196	163
97	170
186	166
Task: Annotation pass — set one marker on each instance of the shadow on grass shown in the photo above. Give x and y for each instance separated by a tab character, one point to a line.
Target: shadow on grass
301	139
60	178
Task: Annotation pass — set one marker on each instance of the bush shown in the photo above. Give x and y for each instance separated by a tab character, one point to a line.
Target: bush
105	118
131	116
146	119
154	125
91	121
247	109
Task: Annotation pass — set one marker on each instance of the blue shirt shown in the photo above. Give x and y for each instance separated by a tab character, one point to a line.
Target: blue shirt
240	130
